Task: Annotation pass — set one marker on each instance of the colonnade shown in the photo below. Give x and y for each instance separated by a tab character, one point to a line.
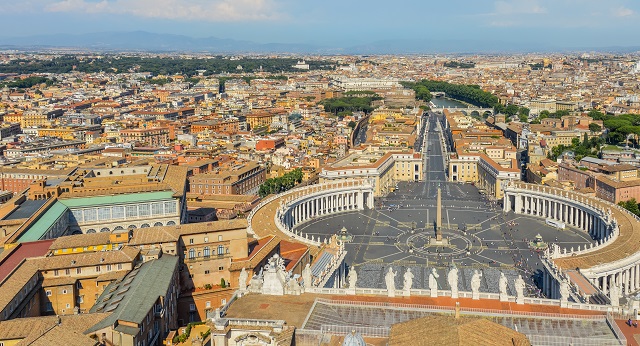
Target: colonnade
325	204
569	212
584	213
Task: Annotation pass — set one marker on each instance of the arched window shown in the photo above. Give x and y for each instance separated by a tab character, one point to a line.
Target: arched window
91	230
104	229
157	224
220	250
118	228
171	223
145	225
132	227
192	253
207	251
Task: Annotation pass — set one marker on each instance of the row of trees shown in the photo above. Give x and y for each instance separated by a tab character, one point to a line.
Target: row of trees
467	93
156	65
281	184
29	82
631	205
348	104
458	64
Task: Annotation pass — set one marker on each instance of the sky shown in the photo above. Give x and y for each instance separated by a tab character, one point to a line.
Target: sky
554	23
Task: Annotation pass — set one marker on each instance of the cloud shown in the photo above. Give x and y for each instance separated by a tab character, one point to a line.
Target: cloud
503	7
622	12
204	10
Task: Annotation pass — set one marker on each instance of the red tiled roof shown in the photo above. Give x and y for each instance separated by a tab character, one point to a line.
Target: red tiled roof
22	251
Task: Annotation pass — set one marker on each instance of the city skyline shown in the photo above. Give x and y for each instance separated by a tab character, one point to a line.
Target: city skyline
498	25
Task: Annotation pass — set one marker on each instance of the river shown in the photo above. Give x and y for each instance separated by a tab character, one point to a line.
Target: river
447	103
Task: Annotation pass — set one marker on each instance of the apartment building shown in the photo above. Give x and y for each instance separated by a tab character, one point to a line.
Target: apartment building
237	179
386	169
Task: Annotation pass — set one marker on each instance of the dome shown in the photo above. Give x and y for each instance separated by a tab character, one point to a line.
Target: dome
353	339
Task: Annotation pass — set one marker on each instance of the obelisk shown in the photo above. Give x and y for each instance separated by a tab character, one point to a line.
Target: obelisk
439	216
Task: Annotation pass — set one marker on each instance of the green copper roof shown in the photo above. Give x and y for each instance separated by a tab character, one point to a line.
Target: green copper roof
116	199
40	227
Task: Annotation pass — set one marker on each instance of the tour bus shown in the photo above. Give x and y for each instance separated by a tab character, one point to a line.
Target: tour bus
555	223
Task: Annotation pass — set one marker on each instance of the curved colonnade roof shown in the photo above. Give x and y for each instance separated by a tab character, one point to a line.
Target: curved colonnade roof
626	244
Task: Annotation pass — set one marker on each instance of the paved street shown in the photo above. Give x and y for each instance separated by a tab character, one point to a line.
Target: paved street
480	236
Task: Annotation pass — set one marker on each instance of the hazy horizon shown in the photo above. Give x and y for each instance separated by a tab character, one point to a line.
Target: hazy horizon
549	23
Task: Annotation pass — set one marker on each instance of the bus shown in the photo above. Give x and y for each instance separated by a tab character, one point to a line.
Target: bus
555	223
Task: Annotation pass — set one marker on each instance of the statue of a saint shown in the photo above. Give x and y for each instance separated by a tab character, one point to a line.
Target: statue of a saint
475	284
353	278
614	293
564	291
519	289
408	279
452	279
433	283
242	280
390	280
502	283
306	276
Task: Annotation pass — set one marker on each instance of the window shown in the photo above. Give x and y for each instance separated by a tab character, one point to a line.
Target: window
206	272
219	238
67	271
192	307
206	239
220	250
119	266
49	306
108	267
104	213
78	270
220	268
47	293
132	211
143	209
55	272
208	304
207	251
117	212
68	306
192	253
191	241
156	208
97	268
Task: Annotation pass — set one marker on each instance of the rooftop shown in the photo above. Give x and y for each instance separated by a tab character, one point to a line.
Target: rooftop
132	298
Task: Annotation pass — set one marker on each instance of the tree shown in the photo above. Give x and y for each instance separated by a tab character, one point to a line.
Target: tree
631	205
511	109
593	127
544	114
524	111
523	118
352	124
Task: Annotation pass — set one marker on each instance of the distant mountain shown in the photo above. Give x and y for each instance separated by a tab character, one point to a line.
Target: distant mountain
154	42
146	41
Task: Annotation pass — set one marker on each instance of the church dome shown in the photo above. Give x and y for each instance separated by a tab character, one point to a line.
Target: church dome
353	339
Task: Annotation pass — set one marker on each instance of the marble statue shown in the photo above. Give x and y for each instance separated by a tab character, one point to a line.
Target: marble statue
475	284
564	291
408	279
353	278
452	279
519	290
502	284
306	276
614	293
433	283
242	281
390	280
